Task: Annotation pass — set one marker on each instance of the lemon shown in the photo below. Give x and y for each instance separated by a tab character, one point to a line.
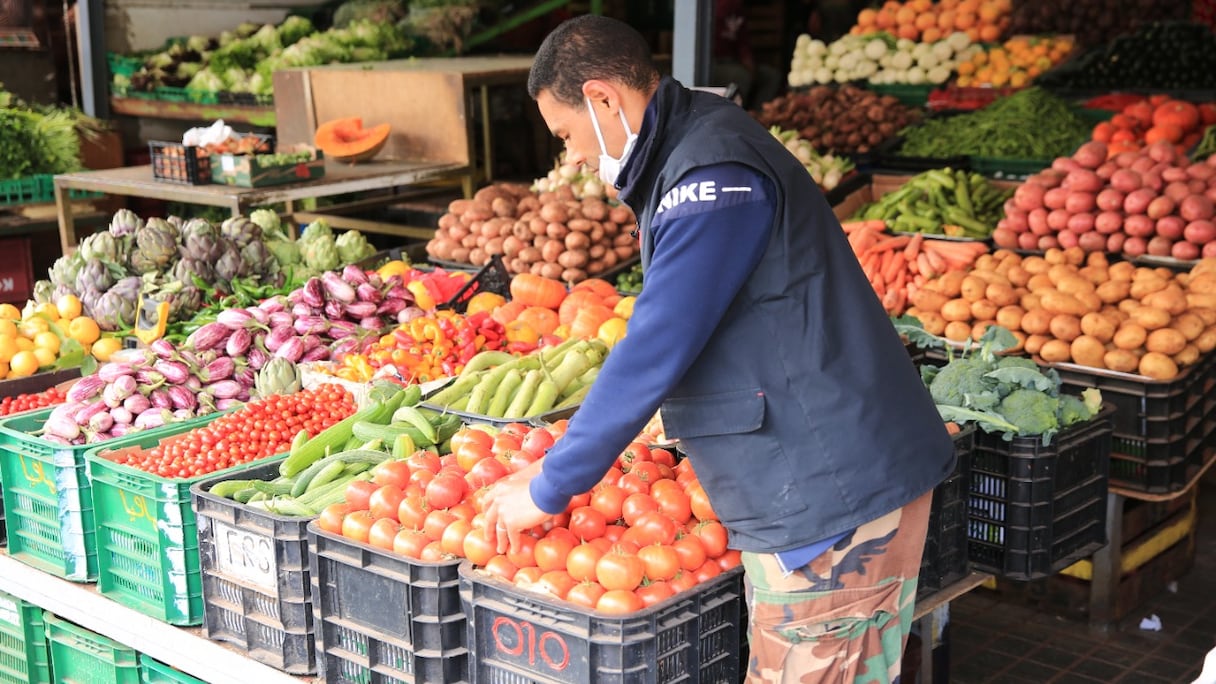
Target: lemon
8	347
47	309
69	306
84	330
7	328
103	348
24	363
9	312
48	341
45	356
3	371
25	344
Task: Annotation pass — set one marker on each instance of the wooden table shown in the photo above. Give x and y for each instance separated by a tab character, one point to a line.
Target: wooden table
932	615
339	179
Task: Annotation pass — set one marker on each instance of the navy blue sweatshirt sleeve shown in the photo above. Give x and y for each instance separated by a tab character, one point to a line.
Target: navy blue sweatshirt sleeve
710	232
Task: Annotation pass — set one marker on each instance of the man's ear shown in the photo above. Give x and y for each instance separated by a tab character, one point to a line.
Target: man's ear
602	93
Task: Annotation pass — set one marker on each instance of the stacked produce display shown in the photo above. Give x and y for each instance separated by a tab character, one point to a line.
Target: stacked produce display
843	120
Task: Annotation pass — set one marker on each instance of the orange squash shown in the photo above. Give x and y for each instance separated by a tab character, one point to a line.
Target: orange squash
508	312
542	320
587	322
346	140
599	286
1178	113
532	290
574	302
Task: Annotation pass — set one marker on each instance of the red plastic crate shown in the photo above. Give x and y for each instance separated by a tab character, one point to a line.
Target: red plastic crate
16	270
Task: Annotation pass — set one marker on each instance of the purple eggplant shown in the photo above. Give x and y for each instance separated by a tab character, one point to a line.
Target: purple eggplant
234	319
303	310
313	292
260	316
291	350
208	336
371	323
278	337
86	388
149	379
344	346
56	439
225	404
113	370
85	413
368	293
120	414
336	288
281	318
183	414
354	275
391	307
224	389
152	418
360	309
218	369
160	398
127	385
101	422
61	426
257	358
375	280
176	372
180	397
340	329
238	343
409	313
246	376
320	353
119	430
137	403
306	325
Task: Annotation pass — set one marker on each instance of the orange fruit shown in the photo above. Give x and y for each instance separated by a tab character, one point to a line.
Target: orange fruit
924	21
68	306
24	364
84	330
867	17
989	33
47	340
931	34
905	16
907	31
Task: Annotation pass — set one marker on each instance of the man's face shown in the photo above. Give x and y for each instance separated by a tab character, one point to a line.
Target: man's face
572	125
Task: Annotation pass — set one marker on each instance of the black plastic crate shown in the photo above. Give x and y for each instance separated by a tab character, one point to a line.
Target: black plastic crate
493	277
1035	509
381	617
945	557
257	592
889	159
518	636
178	163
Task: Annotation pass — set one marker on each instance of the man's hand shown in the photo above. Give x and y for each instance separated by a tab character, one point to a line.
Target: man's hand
510	510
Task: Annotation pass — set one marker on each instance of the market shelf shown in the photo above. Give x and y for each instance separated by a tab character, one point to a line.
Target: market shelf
191	111
183	648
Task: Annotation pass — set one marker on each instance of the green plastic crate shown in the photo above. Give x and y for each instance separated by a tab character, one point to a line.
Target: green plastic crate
23	654
907	93
155	672
82	655
28	190
48	500
1005	168
147	535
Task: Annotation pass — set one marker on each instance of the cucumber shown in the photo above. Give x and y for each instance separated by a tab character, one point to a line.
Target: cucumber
272	489
327	474
390	433
228	488
288	507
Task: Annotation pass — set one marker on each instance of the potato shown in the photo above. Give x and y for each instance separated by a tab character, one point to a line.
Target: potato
573	258
1034	343
493	247
983	310
984	262
1189	324
1065	327
934	323
1055	351
957	310
1165	341
1074	285
1208	316
552	250
1001	294
1010	317
1203	283
554	212
1061	272
1059	303
1141	287
1172	299
1094	274
1187	357
1113	291
1158	366
1121	360
1150	317
1040	282
1030	301
557	231
1121	270
573	275
951	284
1127	306
580	225
551	270
1088	351
1130	336
1020	346
575	240
972	288
989	277
977	330
1098	326
1018	276
928	300
1201	301
957	331
1036	321
1055	255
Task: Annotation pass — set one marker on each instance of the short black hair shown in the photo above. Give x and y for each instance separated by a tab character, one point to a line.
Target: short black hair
590	47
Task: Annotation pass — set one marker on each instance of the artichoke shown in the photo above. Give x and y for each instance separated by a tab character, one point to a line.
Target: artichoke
96	275
229	265
353	247
268	221
278	376
320	255
201	245
125	223
286	252
188	269
114	311
183	303
60	292
241	230
176	221
258	259
44	292
129	287
155	247
102	246
88	301
66	269
316	231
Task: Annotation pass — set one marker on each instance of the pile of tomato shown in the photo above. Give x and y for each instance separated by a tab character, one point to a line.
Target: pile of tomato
29	402
644	533
259	429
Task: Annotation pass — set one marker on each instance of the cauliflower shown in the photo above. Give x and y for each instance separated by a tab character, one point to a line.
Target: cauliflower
875	49
1034	413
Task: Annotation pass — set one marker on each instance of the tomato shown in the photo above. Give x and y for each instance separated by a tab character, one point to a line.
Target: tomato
436	522
585	594
603	543
635	505
550	553
505	443
620	569
331	517
471	435
632	484
657	528
611	477
647	471
557	582
477	548
487	471
357	525
663	457
708	570
578	501
673	502
537	441
619	602
463	511
528	576
433	553
501	567
410	543
661	561
523	556
421	478
518	460
654	593
558	428
684	581
587	523
713	536
633	454
383	532
452	539
412	512
385	501
470	453
423	460
608	500
581	560
516	429
684	472
614	532
698	502
691	551
730	560
392	472
446	490
477	499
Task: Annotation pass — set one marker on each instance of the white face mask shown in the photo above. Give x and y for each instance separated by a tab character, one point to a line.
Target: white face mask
610	167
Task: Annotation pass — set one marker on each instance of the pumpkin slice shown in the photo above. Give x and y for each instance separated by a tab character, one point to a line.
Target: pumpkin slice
346	140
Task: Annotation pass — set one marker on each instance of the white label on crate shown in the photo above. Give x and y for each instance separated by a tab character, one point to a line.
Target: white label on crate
245	556
8	612
228	163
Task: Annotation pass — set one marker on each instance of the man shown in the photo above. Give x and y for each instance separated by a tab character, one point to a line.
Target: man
773	361
733	61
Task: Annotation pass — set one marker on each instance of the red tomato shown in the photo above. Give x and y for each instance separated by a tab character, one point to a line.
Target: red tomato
654	593
579	501
708	570
358	494
357	525
412	512
558	428
611	477
635	453
647	471
410	543
385	501
472	435
518	460
487	471
452	539
446	490
392	472
550	553
528	576
422	478
331	517
619	569
698	503
581	560
657	527
619	602
713	537
635	505
423	460
383	532
730	560
632	484
613	533
433	553
684	581
501	567
505	443
524	555
661	561
604	543
608	500
516	429
563	533
587	523
663	457
691	551
673	502
436	522
470	453
557	582
537	441
477	548
464	511
585	594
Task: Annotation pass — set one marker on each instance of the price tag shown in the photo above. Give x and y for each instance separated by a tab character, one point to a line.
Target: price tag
245	556
228	163
8	612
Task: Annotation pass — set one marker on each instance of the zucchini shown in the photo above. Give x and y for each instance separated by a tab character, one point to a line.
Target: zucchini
334	492
335	436
326	475
244	495
417	419
271	488
289	507
388	433
228	488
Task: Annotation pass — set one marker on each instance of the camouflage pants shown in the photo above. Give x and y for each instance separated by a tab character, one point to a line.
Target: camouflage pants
844	617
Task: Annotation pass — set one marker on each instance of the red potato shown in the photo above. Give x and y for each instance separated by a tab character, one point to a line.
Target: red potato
1049	178
1065	164
1200	232
1160	206
1091	154
1159	245
1210	193
1067	239
1126	180
1187	251
1142	164
1083	180
1109	222
1055	198
1010	206
1162	151
1028	241
1082	222
1106	170
1016	221
1196	186
1029	196
1201	171
1138	225
1211	161
1134	246
1177	190
1037	221
1170	226
1111	199
1077	202
1196	208
1124	160
1002	236
1209	250
1152	181
1048	241
1137	201
1115	241
1174	173
1057	219
1092	241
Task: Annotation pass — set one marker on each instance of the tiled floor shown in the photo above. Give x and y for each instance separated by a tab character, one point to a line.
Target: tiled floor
997	642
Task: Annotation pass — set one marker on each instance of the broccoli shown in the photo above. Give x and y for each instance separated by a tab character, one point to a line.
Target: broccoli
1034	413
963	383
1075	409
206	80
1016	362
294	28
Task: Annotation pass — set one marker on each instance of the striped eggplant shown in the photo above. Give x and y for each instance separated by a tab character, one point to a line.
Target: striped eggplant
176	372
224	389
181	397
137	403
234	319
85	388
336	288
160	398
354	275
291	350
239	342
278	337
208	336
109	372
121	415
313	293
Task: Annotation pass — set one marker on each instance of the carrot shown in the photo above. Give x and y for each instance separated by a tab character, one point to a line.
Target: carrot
896	267
922	262
936	262
890	243
913	247
872	224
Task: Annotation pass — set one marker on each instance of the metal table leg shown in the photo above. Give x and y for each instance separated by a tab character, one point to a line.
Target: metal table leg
1107	563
